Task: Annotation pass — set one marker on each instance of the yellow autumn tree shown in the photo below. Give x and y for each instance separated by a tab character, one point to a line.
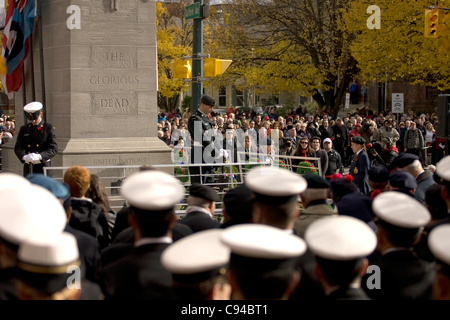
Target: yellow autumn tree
399	50
173	43
289	45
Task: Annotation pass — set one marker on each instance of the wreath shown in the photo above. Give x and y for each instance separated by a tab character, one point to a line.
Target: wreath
182	173
250	166
306	166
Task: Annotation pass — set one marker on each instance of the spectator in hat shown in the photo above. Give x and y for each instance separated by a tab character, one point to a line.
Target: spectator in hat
360	164
87	216
201	207
140	275
439	243
404	276
302	132
87	245
42	270
237	206
314	200
334	159
199	264
27	212
378	180
340	187
263	268
341	245
424	178
319	153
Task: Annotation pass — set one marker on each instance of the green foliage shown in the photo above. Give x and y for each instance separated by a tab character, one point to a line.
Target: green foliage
186	103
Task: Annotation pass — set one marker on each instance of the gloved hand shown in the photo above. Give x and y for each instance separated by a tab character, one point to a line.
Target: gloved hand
442	145
27	158
35	158
223	153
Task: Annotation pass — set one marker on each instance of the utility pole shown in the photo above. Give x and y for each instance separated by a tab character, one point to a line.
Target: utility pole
197	64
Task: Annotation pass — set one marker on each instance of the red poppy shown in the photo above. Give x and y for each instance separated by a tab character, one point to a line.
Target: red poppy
40	128
314	170
182	170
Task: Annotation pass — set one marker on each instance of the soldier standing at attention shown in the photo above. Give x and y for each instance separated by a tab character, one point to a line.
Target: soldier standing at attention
36	142
200	129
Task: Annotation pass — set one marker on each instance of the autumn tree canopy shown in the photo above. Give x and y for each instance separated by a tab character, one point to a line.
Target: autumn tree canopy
399	49
290	45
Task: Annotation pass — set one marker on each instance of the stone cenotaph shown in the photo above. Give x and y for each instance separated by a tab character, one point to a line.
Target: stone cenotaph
100	84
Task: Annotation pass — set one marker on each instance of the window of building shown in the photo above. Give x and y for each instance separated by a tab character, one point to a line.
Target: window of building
239	98
222	97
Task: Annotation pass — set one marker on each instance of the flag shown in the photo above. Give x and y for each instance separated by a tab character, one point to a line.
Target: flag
19	24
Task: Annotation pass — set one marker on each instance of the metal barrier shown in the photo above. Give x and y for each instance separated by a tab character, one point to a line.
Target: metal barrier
221	176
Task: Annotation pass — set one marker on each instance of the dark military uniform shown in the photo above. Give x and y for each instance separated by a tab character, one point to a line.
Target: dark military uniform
359	170
40	139
207	141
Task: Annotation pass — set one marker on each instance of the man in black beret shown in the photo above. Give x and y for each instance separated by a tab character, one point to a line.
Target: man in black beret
410	163
200	129
201	206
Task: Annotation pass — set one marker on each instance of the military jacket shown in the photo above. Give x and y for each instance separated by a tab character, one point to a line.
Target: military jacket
40	139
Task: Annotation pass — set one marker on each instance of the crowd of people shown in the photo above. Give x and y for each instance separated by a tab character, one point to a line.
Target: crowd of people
304	134
265	248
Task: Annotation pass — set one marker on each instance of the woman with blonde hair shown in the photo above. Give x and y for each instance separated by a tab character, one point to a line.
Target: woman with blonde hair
430	137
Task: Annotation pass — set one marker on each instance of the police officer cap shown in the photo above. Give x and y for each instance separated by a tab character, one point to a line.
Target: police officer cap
58	189
340	238
442	174
165	129
152	190
358	140
205	192
315	181
400	210
262	242
274	185
439	244
11	180
379	173
402	180
29	211
43	262
405	159
208	100
198	257
32	107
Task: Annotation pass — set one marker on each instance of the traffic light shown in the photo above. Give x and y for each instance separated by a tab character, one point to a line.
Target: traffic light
431	23
213	67
182	69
